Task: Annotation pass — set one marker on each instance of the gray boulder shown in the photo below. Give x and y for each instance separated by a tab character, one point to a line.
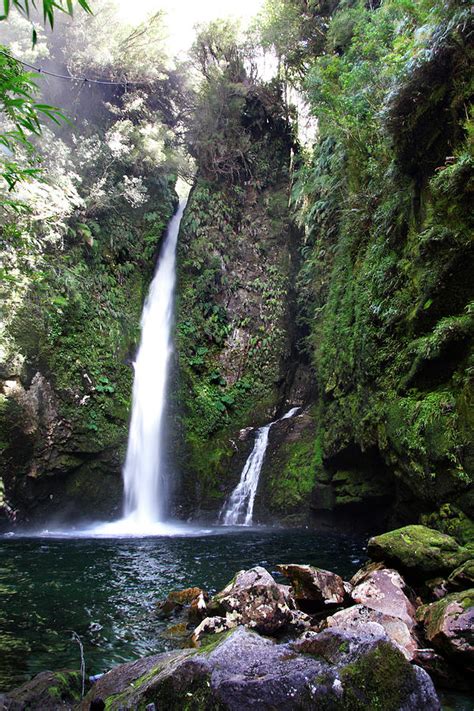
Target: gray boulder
335	669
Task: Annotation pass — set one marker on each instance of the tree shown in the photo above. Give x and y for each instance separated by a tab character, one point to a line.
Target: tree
215	135
22	115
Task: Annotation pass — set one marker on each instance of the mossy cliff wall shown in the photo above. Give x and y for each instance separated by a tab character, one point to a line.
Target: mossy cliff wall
237	256
386	289
383	285
66	376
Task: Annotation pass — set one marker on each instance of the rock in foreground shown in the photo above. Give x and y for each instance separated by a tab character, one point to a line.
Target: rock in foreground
253	598
314	587
47	691
449	626
241	670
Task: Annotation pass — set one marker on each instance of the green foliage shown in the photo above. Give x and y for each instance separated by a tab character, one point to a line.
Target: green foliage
383	290
23	116
47	7
296	474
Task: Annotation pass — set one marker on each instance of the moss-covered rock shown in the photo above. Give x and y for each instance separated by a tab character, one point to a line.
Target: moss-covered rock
451	520
385	288
237	255
463	577
449	626
335	671
47	691
418	551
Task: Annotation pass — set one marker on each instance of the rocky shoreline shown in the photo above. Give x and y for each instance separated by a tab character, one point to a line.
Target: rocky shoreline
383	640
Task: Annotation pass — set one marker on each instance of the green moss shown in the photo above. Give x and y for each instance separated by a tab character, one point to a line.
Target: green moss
451	520
295	477
380	680
384	290
354	486
418	550
68	687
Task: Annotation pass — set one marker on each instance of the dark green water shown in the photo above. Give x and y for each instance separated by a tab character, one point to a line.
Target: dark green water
105	590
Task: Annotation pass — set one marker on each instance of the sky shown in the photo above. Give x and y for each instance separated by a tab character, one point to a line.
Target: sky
182	15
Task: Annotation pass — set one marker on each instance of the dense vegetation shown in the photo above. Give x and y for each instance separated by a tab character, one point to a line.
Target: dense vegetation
385	292
235	261
331	270
78	245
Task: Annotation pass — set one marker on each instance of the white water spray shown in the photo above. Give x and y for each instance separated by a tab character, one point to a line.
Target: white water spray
238	510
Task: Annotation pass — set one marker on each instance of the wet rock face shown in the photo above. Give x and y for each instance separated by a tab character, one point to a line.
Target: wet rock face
256	600
314	587
50	470
449	626
384	590
418	551
330	670
360	617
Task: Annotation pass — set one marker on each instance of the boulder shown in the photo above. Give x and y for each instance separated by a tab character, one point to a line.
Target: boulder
463	576
259	602
385	590
314	588
418	551
176	601
358	617
45	692
242	670
449	626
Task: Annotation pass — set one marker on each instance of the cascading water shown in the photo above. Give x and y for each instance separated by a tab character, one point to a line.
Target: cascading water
144	481
238	510
145	485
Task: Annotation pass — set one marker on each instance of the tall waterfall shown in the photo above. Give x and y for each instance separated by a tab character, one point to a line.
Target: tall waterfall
238	510
145	485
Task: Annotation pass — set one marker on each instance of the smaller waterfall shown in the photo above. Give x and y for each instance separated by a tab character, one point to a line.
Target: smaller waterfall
238	510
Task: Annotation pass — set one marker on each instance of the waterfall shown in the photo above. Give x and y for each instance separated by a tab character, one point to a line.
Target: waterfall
238	510
145	485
